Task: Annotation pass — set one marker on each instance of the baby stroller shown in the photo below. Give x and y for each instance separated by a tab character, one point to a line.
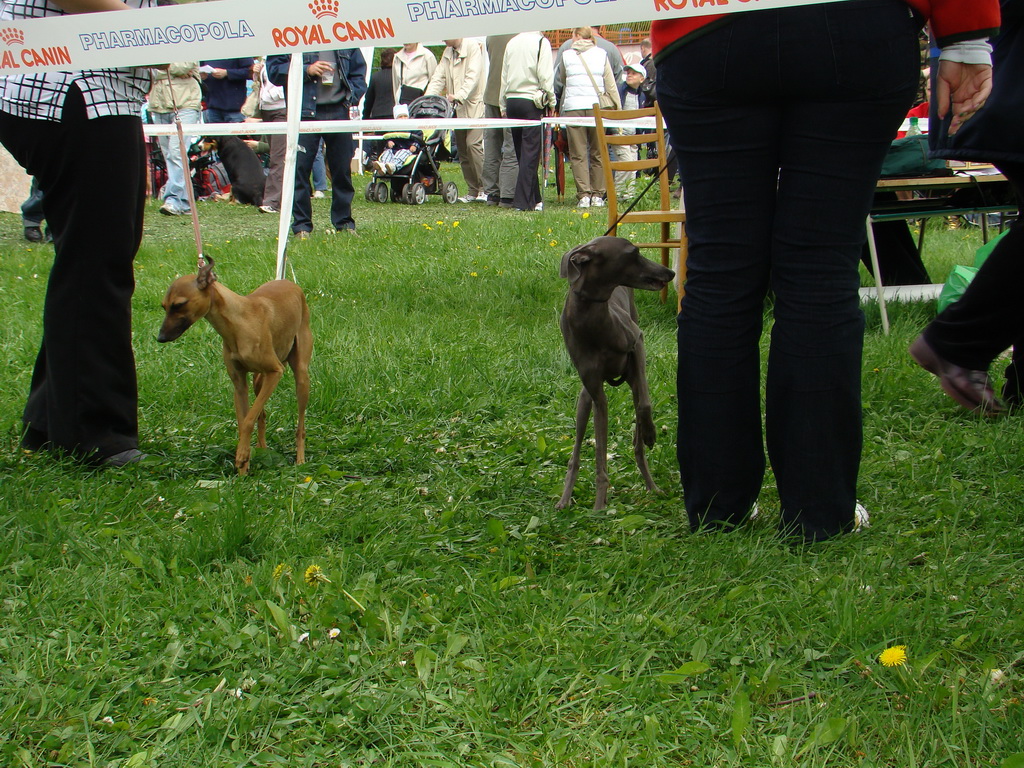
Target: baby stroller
419	176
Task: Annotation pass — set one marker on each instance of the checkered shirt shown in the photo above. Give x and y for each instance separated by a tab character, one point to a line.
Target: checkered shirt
40	96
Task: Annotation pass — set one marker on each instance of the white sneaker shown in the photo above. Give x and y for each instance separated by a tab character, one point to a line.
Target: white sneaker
268	209
584	202
318	195
539	207
597	202
467	199
861	518
389	168
480	199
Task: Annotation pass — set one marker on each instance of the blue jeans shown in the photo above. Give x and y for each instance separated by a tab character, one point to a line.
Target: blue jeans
214	115
780	120
175	195
320	170
338	151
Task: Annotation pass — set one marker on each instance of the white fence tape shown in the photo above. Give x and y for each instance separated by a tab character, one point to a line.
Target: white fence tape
234	28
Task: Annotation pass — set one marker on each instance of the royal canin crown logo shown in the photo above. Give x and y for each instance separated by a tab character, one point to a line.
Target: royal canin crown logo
324	8
12	36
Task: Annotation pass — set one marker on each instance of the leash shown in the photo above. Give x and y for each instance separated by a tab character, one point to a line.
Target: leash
189	190
654	180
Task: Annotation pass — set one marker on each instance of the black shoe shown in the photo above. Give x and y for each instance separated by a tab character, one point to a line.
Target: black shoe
504	203
131	456
47	236
34	234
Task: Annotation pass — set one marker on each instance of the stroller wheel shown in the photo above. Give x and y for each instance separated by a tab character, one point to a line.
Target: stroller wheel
417	193
381	192
450	192
406	194
369	193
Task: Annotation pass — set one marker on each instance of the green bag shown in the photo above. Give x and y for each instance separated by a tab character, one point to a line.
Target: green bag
956	284
961	276
909	157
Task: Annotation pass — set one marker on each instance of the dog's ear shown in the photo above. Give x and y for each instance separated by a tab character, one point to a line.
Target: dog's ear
572	263
206	276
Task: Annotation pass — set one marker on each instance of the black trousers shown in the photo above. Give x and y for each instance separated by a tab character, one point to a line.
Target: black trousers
780	121
528	143
83	397
989	317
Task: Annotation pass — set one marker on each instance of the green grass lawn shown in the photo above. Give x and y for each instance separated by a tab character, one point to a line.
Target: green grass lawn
410	597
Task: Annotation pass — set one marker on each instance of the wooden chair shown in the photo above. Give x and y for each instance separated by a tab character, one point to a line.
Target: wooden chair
666	216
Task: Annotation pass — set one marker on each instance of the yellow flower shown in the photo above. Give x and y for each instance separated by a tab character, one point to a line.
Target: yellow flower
280	570
894	657
455	223
314	574
473	274
586	215
427	226
553	243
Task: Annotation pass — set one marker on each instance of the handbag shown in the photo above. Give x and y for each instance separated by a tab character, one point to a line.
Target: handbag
406	93
604	99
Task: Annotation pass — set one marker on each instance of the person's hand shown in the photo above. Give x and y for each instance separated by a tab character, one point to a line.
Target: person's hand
318	68
962	88
257	67
251	144
220	74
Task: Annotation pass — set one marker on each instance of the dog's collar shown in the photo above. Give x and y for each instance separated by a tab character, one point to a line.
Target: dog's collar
583	297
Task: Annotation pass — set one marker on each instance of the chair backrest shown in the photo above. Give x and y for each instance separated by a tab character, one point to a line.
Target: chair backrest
612	164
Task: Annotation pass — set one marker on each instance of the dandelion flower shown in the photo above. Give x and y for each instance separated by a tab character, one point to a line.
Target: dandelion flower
586	215
895	656
314	575
473	274
455	223
553	243
280	570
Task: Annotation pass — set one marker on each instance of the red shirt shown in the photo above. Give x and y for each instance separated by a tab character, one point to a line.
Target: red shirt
952	21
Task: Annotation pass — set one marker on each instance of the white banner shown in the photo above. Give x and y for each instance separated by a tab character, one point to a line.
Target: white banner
235	28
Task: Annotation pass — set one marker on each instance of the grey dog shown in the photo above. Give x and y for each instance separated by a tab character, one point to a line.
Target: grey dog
604	340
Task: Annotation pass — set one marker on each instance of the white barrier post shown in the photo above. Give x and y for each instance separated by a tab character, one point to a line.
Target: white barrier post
291	147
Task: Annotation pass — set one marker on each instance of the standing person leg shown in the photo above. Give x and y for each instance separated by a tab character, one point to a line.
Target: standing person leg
175	195
528	148
278	149
83	397
595	166
493	138
32	215
832	153
338	152
302	205
987	319
578	157
319	171
471	158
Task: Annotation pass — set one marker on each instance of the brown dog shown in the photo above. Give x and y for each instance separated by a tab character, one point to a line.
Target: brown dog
261	332
604	340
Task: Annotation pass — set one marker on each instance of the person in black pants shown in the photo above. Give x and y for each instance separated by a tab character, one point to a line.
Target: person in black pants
781	119
961	343
83	398
333	82
527	93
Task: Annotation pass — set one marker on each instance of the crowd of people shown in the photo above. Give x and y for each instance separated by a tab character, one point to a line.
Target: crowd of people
502	76
779	140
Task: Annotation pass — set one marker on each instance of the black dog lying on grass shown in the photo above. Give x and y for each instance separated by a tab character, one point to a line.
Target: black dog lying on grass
245	171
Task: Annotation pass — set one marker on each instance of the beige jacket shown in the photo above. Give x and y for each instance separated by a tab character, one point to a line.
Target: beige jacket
527	70
461	75
412	69
184	80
